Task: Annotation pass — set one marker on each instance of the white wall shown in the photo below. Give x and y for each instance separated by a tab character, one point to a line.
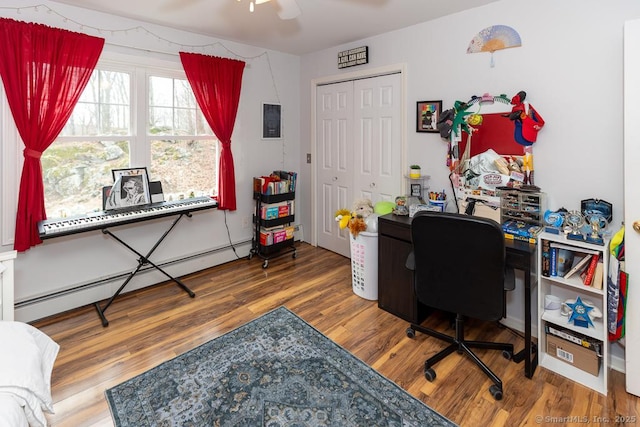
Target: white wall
570	65
68	262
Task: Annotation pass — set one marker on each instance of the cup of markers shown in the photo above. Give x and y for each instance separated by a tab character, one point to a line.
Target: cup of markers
438	199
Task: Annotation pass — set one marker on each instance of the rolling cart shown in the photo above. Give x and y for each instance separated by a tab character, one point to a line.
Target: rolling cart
273	235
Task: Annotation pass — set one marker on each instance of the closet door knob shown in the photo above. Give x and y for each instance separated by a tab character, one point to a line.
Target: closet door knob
636	226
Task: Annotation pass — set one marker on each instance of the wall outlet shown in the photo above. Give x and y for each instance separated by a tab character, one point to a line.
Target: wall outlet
246	222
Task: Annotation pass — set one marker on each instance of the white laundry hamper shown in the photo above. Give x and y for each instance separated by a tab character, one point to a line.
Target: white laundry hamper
364	265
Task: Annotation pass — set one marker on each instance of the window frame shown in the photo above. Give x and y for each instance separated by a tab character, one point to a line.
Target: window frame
140	69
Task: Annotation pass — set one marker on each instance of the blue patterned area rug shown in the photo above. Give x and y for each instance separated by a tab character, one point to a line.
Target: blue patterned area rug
276	370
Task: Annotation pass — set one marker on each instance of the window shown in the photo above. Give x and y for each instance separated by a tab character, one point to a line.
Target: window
167	133
184	152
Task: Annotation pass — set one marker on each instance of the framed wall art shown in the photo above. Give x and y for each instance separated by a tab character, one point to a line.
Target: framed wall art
271	121
130	188
427	115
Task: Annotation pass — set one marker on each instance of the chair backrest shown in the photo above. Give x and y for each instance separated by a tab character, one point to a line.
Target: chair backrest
459	263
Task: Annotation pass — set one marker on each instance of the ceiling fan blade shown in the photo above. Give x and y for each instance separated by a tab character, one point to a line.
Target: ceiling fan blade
289	9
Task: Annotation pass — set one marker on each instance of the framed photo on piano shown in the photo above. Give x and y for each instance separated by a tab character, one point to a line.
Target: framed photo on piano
130	188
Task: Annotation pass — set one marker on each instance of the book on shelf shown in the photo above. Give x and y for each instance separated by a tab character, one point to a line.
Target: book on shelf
545	246
579	264
277	183
587	273
573	248
598	275
553	263
277	210
564	261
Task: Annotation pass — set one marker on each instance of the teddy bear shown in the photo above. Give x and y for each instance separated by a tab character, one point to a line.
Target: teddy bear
362	209
356	219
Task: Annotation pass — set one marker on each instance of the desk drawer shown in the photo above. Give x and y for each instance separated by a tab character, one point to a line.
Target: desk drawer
396	230
517	260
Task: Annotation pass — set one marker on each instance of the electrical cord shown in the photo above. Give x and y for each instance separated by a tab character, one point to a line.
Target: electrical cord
229	234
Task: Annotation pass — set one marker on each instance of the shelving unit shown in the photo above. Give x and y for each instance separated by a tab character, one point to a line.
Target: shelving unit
264	224
571	288
422	180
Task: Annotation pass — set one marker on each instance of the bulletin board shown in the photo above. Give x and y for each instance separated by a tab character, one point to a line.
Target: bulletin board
495	132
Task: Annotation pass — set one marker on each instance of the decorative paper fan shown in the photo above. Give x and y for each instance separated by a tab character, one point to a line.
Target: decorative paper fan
494	38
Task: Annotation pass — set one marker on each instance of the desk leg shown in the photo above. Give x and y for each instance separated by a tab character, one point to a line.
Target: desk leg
530	351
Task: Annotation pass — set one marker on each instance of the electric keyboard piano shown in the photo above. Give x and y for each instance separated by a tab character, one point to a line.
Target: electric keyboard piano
99	220
106	219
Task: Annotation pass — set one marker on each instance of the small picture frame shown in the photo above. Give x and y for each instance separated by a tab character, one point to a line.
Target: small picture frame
416	190
130	188
427	115
271	120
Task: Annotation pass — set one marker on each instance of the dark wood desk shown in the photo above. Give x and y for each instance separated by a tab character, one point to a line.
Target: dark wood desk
395	282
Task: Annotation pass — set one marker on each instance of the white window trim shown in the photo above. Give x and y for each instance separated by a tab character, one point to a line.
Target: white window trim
12	146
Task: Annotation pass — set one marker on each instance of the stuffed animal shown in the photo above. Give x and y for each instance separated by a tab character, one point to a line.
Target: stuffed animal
362	208
356	219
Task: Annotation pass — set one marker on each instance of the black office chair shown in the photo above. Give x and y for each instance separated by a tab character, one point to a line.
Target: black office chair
459	267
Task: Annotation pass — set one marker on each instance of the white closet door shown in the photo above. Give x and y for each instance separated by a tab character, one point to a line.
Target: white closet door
358	150
632	201
377	138
334	159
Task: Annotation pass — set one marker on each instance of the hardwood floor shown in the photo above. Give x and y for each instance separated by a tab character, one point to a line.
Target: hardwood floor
150	326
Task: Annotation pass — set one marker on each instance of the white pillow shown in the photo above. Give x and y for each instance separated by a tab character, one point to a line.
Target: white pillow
26	363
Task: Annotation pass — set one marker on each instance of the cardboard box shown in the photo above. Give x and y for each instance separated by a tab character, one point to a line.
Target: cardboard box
573	354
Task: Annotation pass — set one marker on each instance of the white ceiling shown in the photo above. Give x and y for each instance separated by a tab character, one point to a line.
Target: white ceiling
322	23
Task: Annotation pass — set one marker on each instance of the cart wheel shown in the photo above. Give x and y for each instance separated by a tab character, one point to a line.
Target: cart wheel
250	255
265	264
295	255
507	354
410	332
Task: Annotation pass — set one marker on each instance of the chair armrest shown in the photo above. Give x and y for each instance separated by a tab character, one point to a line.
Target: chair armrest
410	263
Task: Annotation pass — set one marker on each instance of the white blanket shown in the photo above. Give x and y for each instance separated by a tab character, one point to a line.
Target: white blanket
26	362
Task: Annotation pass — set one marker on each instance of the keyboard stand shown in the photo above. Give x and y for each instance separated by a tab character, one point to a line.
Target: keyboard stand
142	261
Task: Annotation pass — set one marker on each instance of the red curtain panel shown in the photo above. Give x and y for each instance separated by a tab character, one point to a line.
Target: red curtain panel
216	83
44	71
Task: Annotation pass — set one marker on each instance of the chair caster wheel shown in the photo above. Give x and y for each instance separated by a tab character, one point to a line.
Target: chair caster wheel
429	374
250	255
265	264
507	354
295	255
410	332
496	392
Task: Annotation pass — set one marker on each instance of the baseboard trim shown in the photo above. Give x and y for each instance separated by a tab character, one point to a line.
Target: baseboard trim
78	295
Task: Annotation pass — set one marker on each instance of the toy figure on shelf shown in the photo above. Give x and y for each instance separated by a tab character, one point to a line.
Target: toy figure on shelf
580	314
401	206
528	123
